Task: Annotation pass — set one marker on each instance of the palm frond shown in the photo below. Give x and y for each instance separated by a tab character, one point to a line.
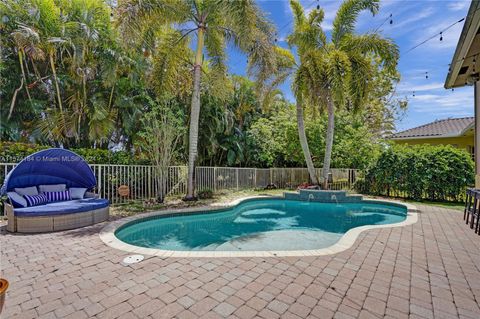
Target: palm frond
307	31
347	15
339	73
285	65
171	70
381	47
298	13
361	81
136	15
251	32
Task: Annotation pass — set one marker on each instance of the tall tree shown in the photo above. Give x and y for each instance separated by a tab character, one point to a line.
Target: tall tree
215	23
341	68
308	37
160	138
69	69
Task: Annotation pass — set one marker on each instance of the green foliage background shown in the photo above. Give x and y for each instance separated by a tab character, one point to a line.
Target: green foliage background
106	80
419	172
11	152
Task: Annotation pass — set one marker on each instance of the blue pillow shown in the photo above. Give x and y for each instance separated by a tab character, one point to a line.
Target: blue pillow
52	188
17	200
77	192
57	196
32	190
34	200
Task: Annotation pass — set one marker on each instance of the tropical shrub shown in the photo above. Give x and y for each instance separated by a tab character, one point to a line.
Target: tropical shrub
15	152
273	141
161	134
419	172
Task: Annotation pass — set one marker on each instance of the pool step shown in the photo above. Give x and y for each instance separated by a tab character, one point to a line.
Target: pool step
323	196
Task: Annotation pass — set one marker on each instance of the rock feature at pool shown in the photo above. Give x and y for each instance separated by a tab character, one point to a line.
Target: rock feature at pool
323	196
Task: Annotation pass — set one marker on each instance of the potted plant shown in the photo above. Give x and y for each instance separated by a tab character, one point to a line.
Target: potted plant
3	291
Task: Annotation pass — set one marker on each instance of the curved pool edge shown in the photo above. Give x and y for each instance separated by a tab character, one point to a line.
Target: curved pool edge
107	233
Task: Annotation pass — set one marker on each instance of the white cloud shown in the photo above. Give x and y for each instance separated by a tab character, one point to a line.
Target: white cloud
448	103
450	37
403	25
419	88
458	5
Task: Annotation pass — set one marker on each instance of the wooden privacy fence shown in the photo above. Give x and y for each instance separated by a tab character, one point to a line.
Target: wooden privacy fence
143	182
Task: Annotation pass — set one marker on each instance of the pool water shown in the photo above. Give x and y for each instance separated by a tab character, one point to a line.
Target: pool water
257	225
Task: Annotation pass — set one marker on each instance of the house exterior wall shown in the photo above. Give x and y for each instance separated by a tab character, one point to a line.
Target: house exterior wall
463	142
459	142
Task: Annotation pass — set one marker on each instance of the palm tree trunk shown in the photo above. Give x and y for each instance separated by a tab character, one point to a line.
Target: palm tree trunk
329	142
54	71
14	99
111	98
194	117
20	60
304	143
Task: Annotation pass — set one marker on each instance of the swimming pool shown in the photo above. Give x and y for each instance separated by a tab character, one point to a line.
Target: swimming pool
259	225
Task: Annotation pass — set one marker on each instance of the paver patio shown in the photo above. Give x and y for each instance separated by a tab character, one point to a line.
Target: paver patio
430	269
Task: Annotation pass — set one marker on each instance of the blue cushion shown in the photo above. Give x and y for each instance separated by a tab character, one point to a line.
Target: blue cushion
35	200
60	208
77	192
32	190
17	200
52	188
58	196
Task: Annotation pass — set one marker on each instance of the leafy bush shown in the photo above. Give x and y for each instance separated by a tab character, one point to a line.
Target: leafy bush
15	152
419	172
273	141
205	193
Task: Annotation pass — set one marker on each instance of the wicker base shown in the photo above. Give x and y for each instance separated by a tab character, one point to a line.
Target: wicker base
42	224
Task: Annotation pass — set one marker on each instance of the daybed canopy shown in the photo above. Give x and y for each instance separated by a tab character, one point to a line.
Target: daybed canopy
51	166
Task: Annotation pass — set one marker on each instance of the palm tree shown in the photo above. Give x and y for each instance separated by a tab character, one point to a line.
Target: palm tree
335	74
308	37
215	24
350	61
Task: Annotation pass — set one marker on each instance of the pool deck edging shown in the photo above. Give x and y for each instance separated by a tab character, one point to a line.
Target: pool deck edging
107	234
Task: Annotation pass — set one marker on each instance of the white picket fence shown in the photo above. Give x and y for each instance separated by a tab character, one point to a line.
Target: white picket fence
144	183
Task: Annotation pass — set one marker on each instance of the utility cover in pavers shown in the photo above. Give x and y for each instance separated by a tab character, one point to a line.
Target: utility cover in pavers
132	259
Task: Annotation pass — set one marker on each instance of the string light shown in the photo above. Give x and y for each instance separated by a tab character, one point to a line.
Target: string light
306	10
384	21
435	35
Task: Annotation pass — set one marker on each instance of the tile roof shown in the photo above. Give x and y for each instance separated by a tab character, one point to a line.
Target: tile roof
440	128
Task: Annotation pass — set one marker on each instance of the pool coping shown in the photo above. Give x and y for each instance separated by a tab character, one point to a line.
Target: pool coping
107	234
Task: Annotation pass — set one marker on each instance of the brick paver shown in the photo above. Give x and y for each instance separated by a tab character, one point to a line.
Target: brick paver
427	270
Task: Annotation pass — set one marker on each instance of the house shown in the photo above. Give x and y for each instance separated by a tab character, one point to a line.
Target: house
458	132
464	68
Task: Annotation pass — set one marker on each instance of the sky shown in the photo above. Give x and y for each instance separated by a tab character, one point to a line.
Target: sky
413	22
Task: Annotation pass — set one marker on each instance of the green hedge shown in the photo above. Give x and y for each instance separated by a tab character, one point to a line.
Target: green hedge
419	172
15	152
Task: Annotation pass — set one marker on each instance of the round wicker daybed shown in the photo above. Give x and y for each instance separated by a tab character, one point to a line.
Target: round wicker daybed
48	173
